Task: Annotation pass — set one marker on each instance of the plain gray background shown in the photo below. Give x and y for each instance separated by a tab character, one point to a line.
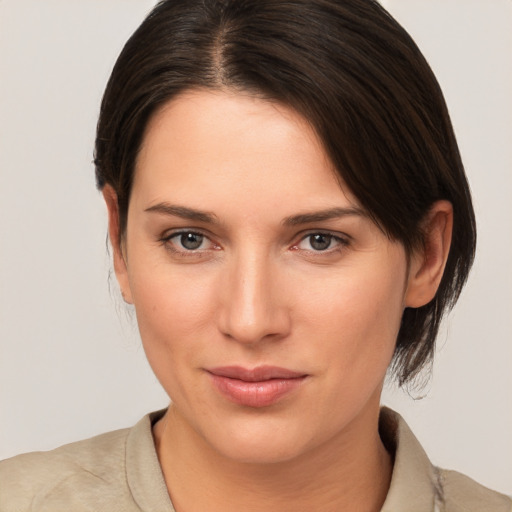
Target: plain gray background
71	364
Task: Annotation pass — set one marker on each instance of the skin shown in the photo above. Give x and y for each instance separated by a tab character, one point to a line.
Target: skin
257	292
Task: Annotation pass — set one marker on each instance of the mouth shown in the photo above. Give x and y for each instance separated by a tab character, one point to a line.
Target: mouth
257	387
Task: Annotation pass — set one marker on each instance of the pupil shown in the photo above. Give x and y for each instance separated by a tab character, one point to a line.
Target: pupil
320	242
191	241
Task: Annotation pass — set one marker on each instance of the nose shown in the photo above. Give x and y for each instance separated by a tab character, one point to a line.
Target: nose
253	305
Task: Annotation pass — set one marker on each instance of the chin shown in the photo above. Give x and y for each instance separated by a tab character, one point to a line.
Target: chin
260	442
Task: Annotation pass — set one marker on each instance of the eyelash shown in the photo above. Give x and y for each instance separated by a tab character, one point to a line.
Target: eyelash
166	241
341	243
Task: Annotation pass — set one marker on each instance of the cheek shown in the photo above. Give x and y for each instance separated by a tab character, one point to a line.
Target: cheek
355	319
174	312
353	327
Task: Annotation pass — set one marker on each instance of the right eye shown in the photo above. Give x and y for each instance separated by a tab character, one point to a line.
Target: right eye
188	243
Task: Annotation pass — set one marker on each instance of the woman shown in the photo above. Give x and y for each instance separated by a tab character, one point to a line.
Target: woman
290	217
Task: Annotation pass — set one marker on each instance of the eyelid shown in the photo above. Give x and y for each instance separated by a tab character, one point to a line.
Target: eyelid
342	238
172	232
335	234
166	237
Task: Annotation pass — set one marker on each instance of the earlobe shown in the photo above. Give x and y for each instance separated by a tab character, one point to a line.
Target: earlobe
428	262
119	258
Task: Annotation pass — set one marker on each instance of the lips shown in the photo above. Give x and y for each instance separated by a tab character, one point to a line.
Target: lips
257	387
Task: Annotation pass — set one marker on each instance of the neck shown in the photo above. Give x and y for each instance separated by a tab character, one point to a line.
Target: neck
351	471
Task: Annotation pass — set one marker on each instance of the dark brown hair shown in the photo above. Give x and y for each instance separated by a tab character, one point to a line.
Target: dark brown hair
352	71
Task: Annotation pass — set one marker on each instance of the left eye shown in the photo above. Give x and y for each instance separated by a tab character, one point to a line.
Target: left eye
319	242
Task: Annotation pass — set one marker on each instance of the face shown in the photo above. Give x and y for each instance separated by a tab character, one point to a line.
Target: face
267	301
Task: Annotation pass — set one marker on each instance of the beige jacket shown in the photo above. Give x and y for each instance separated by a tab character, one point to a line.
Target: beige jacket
119	471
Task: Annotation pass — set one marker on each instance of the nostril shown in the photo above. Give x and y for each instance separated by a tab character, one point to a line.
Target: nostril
253	325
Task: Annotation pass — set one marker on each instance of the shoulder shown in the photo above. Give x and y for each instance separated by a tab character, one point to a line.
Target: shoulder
418	485
462	494
67	478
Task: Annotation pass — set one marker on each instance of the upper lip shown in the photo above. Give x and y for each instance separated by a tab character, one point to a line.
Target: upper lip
257	374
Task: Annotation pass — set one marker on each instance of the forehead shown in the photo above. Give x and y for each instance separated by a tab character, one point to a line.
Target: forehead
205	146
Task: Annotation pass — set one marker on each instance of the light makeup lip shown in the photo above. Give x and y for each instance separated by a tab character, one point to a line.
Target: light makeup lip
258	374
257	387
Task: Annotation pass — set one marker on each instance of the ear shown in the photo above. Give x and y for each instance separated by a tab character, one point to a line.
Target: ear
428	262
114	233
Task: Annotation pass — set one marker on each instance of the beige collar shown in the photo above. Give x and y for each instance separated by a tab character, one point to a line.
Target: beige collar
414	482
143	472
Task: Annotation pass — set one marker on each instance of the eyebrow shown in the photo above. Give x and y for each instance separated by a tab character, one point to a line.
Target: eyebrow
294	220
322	215
183	212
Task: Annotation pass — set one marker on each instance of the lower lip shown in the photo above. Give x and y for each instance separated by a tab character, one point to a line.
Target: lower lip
256	394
